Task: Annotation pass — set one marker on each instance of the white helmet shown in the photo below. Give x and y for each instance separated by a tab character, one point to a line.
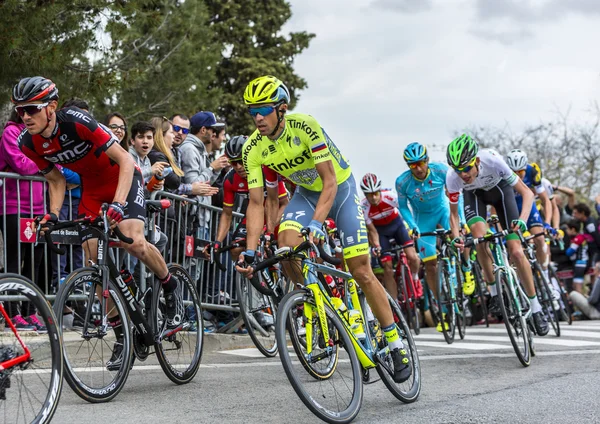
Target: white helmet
517	159
370	183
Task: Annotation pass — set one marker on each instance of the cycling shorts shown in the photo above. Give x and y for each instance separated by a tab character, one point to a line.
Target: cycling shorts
394	230
345	211
501	197
535	217
92	200
427	223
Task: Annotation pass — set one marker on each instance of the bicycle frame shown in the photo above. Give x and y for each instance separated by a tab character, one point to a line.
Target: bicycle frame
365	352
26	356
448	257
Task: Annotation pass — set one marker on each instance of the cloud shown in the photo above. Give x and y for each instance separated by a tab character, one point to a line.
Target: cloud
528	11
507	38
403	6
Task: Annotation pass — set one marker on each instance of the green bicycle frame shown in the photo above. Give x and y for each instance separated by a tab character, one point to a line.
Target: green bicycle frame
500	258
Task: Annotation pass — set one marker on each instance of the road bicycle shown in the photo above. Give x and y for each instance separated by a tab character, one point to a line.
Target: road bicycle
550	306
31	363
320	324
258	308
142	313
514	303
450	299
407	292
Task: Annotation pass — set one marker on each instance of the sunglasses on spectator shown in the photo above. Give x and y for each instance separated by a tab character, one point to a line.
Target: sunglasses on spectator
466	168
235	162
177	128
30	109
416	164
116	127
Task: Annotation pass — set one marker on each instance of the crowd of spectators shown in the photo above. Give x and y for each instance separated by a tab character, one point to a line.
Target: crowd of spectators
180	155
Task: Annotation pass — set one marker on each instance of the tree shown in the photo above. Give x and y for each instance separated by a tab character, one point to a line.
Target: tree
567	153
254	45
151	57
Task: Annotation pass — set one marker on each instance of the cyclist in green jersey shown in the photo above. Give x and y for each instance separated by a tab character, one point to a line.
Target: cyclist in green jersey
296	147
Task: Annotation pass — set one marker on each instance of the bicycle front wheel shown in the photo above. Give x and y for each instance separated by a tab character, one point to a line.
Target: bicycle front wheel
97	362
258	312
30	390
550	307
566	307
179	350
515	322
338	398
447	315
461	305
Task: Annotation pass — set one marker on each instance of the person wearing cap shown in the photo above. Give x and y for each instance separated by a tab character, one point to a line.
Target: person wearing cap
195	151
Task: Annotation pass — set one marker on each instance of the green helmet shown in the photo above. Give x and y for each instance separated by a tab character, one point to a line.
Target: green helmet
461	151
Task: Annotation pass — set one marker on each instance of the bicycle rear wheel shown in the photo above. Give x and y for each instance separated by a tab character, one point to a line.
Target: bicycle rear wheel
409	390
29	391
515	323
338	398
409	302
461	299
550	307
91	343
566	307
481	289
179	350
258	312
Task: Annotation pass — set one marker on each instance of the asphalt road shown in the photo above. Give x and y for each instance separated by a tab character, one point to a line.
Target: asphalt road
478	380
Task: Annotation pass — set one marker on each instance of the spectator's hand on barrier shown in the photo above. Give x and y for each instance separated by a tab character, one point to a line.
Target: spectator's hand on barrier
219	163
158	167
214	247
203	189
243	265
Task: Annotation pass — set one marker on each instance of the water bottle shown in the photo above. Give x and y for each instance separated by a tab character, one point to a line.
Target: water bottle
332	285
157	179
356	324
129	281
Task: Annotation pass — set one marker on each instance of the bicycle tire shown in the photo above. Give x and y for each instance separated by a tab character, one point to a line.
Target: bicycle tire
445	298
461	320
409	303
337	329
252	301
545	296
566	307
74	373
408	391
193	336
45	396
478	275
518	331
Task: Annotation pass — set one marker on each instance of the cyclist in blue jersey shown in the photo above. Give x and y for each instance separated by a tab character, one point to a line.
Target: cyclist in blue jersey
423	186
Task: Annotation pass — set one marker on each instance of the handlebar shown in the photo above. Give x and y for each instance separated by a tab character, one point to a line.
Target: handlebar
486	238
78	222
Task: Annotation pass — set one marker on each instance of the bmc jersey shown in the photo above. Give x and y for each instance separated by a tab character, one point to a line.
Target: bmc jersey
77	143
236	186
492	170
383	213
426	196
302	145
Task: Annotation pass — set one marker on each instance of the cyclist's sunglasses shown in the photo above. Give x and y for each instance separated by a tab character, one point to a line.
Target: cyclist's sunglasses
30	109
465	168
235	162
419	163
262	110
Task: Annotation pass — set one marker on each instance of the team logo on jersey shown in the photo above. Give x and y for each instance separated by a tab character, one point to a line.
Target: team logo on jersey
297	141
265	153
417	190
305	176
241	185
272	148
45	145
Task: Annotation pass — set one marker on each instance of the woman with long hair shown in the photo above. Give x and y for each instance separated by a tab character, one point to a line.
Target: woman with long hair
117	124
163	152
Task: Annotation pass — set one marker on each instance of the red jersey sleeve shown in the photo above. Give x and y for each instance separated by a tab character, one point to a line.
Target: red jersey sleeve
281	189
270	176
228	193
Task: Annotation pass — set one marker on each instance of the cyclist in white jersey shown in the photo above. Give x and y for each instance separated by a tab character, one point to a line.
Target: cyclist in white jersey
485	179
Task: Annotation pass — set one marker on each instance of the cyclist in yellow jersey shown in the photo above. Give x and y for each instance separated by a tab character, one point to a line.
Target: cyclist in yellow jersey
296	147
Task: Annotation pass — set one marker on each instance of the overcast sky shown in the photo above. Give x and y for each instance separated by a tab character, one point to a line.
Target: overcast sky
384	73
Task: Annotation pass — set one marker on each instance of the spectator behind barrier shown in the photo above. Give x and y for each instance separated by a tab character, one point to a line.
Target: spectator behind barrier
30	205
589	306
117	124
217	143
195	160
142	142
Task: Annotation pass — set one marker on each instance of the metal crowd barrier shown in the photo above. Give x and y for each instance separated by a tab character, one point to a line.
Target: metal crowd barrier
188	226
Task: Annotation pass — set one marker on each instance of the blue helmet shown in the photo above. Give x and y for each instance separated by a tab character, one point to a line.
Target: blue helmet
415	152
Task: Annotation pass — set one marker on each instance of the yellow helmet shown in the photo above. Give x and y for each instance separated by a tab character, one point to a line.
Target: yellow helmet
266	89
